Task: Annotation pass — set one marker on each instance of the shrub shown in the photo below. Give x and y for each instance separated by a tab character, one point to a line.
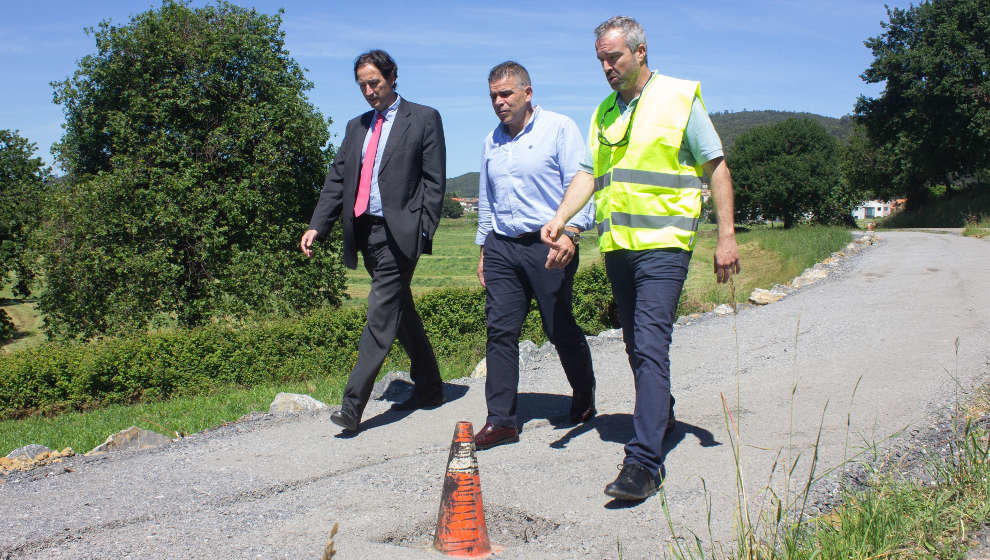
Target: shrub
181	362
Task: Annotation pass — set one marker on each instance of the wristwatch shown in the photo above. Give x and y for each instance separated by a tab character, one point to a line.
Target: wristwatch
573	235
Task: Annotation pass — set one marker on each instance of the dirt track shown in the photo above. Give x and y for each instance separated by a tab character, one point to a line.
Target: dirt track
272	487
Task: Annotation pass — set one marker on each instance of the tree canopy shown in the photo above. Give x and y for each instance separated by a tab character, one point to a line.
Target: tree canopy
789	170
22	186
931	124
451	208
22	183
193	160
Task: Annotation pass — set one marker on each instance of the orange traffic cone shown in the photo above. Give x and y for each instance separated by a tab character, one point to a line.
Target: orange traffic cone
461	527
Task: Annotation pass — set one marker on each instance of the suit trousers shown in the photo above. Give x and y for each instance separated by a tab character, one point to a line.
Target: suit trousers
391	314
515	273
646	286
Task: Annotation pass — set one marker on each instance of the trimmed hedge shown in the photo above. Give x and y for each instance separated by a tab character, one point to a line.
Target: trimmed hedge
159	365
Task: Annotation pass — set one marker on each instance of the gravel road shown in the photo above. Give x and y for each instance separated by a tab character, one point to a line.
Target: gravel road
271	487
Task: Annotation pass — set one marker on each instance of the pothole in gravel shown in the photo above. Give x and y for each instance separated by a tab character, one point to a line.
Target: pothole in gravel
506	526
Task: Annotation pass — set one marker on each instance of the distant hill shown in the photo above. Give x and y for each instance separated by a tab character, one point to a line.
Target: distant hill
730	125
464	185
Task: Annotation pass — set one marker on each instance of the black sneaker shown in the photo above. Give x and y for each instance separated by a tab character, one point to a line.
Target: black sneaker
633	483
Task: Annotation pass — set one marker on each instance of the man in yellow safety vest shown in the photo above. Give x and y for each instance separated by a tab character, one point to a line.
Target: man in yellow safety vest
651	143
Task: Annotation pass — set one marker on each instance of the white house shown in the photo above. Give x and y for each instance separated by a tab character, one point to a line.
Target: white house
877	208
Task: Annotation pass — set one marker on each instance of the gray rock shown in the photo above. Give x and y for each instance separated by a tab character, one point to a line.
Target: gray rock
131	438
28	451
292	402
611	334
809	276
723	310
396	386
764	297
529	353
780	289
480	370
526	350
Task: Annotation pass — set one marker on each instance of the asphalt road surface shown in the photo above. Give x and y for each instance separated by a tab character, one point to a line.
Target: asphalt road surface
271	487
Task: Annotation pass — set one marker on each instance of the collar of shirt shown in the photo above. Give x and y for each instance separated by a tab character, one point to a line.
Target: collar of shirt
389	113
503	132
622	104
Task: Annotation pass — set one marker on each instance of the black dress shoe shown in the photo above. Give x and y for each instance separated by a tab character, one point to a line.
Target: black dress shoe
415	401
633	483
345	420
492	435
582	407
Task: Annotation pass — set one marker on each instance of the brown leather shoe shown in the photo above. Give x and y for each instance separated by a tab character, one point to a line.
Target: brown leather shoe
492	435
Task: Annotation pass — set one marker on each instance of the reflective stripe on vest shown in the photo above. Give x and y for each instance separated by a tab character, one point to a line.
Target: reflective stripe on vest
648	178
644	197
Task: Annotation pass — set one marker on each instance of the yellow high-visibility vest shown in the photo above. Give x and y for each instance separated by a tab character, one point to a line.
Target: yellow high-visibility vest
644	197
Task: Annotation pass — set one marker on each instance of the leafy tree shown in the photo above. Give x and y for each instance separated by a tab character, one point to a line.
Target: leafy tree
865	168
194	158
931	125
22	187
789	170
451	208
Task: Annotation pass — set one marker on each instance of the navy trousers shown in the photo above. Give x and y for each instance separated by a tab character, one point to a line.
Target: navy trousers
646	286
515	272
391	315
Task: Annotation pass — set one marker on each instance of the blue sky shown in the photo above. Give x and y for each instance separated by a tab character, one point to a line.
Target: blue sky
788	55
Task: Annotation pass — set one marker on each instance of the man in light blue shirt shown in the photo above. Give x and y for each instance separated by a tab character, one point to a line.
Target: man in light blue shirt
529	159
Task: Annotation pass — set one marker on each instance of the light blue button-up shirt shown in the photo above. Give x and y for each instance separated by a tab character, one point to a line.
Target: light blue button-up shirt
375	196
523	178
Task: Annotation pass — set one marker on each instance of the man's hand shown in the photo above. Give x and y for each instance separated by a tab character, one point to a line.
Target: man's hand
562	249
481	268
306	243
726	258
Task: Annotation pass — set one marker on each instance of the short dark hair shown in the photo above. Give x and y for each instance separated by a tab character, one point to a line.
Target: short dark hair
380	60
509	68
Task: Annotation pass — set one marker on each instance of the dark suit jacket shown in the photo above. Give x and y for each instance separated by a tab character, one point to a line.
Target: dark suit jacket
411	179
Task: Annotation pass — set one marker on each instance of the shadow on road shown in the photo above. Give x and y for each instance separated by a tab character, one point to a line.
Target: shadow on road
451	392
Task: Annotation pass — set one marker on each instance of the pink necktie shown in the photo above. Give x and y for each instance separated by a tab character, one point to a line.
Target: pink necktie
368	167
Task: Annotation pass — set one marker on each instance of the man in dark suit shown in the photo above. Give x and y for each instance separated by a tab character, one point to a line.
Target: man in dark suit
386	186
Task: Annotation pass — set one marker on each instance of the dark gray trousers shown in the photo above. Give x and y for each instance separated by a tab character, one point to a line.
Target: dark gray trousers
391	315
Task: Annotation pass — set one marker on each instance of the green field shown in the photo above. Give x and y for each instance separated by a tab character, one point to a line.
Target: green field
453	264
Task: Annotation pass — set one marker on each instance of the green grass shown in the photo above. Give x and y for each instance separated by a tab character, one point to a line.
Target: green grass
767	257
83	431
895	518
27	320
453	264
